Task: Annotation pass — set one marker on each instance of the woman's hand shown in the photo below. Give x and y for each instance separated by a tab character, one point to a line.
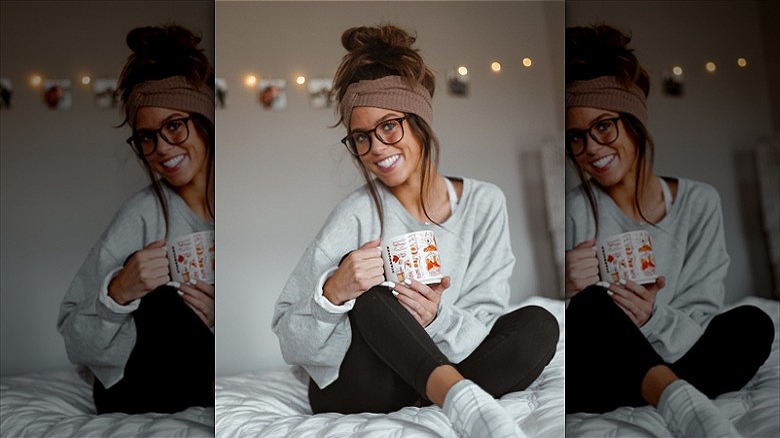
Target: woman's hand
200	298
582	267
421	300
636	300
361	270
146	270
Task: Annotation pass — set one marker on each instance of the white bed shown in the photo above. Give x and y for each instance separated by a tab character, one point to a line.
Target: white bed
275	404
59	404
754	410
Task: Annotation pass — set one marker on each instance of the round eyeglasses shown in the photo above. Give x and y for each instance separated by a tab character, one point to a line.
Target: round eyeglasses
174	132
389	131
602	131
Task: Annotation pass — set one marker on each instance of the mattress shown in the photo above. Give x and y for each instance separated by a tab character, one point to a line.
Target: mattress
59	404
275	404
754	410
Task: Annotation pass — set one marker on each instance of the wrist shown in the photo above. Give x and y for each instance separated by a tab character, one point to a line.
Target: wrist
329	292
115	292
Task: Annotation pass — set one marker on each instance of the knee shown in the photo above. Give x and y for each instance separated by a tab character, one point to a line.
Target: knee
541	323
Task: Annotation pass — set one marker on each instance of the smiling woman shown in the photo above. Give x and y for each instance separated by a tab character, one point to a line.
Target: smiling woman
367	345
148	342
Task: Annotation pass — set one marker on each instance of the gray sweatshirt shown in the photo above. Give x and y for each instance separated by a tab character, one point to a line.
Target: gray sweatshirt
689	250
474	249
100	334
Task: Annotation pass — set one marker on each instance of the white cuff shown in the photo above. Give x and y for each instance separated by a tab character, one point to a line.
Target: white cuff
109	302
320	299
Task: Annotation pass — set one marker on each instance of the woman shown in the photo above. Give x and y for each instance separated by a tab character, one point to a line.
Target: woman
148	343
664	343
372	348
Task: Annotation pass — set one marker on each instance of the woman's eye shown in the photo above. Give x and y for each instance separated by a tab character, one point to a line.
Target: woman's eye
360	138
389	126
603	126
144	137
174	126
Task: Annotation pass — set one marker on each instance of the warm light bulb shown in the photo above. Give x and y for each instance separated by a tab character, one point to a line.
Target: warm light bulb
36	80
742	62
495	66
711	67
528	62
85	80
300	80
462	70
250	80
677	70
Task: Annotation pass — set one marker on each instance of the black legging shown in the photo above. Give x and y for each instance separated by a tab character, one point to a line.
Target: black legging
391	357
607	356
171	366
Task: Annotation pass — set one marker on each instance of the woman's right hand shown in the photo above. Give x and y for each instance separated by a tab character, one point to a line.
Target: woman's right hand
146	270
361	270
582	267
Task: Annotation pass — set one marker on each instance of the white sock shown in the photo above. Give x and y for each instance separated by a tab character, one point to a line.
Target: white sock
476	414
689	413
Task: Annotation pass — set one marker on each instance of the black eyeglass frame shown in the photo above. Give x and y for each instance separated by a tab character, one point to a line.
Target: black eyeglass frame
158	133
580	133
352	151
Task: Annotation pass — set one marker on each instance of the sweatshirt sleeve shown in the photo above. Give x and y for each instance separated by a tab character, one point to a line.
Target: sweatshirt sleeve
460	326
96	335
309	335
674	327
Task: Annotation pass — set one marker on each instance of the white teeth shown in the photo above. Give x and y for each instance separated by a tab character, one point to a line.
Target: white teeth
389	161
173	161
601	162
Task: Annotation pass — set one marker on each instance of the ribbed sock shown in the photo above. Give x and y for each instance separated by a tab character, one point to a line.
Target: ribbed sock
476	414
689	413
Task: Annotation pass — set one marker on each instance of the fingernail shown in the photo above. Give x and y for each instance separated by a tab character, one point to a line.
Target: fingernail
193	282
395	293
603	284
180	292
173	284
389	284
610	293
408	282
622	282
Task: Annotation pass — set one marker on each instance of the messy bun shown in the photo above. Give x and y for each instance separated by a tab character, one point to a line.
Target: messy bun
161	52
602	50
376	52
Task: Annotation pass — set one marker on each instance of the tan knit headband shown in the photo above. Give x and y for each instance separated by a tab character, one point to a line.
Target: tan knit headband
175	92
389	92
606	92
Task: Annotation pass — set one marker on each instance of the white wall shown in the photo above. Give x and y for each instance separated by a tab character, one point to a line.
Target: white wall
64	173
279	174
708	133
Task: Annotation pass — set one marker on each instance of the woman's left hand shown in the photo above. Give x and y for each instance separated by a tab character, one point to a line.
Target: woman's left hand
636	300
421	300
200	298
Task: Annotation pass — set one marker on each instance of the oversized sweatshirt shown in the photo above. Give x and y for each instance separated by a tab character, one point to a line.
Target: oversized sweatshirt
689	250
474	250
100	334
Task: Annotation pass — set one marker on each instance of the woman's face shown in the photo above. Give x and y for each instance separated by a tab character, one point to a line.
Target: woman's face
178	164
393	164
607	164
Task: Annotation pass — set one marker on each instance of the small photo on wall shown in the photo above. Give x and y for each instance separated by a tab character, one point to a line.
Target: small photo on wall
220	93
273	94
57	94
319	93
105	92
6	92
457	84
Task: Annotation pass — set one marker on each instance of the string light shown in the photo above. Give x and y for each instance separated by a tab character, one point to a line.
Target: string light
742	62
300	80
711	67
528	62
677	70
495	66
36	80
250	80
85	80
463	71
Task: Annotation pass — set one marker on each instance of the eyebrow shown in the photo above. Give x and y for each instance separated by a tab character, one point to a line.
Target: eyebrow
386	117
166	120
600	117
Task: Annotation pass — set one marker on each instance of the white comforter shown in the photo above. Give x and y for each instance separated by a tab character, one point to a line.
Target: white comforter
275	404
754	410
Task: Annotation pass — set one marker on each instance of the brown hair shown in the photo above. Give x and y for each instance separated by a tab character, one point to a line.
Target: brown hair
159	53
602	50
377	52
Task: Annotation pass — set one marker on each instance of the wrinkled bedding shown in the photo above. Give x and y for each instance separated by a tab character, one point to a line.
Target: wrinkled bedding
754	410
275	404
59	404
